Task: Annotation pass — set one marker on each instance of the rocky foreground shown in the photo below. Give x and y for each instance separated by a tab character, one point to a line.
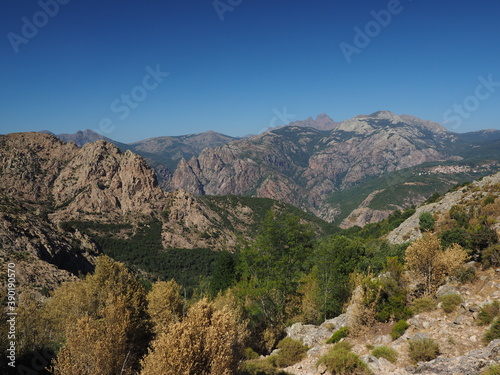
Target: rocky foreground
458	335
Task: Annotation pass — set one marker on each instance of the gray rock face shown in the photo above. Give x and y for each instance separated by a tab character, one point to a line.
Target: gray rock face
308	334
472	363
446	290
303	166
338	322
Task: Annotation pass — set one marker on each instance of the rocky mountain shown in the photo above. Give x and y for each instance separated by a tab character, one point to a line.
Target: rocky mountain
161	153
304	166
322	122
57	200
327	168
181	146
81	138
44	256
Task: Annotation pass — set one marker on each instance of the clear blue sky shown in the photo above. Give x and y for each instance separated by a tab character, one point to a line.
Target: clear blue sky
234	75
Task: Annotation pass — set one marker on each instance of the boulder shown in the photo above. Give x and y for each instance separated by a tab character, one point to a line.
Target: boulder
445	290
471	363
308	334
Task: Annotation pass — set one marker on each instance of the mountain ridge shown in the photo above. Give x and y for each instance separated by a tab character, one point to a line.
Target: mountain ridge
305	166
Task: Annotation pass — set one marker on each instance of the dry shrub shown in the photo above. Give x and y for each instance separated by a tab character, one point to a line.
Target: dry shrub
423	350
428	262
165	304
449	302
424	304
362	307
106	305
207	341
491	209
97	346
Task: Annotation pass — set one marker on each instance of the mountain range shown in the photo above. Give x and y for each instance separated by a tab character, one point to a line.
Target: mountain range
344	172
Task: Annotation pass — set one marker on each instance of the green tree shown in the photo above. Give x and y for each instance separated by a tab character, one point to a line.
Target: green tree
456	235
271	269
224	275
336	258
426	222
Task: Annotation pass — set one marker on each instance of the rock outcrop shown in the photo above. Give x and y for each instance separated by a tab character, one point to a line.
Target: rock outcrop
364	215
100	179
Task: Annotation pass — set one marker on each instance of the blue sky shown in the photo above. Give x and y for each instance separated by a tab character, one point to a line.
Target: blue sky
246	66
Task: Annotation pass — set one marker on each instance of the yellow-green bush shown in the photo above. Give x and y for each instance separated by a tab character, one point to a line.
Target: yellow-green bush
290	352
399	329
259	367
385	352
449	302
488	312
492	370
424	304
423	350
340	360
338	335
493	332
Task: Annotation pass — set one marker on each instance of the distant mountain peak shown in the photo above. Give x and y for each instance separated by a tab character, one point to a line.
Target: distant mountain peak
383	114
81	138
322	122
368	123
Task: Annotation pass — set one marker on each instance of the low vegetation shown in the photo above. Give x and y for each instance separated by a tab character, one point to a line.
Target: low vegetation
488	313
385	352
338	335
290	352
225	313
490	257
399	329
493	332
422	350
492	370
449	302
340	360
424	304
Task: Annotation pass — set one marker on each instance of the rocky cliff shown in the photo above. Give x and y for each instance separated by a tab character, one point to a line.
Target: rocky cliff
303	166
